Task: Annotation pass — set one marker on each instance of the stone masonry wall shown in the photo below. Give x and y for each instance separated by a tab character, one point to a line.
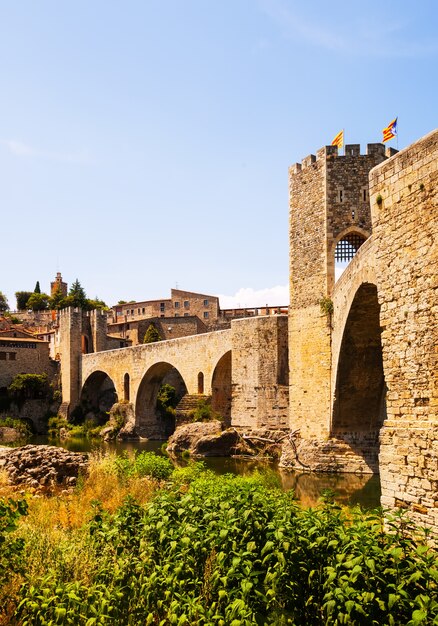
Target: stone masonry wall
404	201
260	373
30	357
309	333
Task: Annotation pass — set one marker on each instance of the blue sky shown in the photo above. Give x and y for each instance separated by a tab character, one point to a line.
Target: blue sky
146	144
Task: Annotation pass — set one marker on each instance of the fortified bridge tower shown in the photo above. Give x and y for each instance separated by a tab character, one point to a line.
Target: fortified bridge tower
363	357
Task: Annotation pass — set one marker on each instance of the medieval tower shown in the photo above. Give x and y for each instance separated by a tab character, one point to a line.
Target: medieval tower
329	220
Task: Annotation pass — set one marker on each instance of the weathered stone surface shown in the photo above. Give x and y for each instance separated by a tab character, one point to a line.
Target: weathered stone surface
186	436
8	435
219	444
42	466
121	411
332	455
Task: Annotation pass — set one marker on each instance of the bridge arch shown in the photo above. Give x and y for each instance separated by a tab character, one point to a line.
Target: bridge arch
149	421
359	406
98	393
221	387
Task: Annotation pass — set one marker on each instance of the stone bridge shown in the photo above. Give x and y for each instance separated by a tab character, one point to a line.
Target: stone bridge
200	364
243	369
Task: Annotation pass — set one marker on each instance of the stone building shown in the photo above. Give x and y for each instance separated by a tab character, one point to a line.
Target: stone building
180	304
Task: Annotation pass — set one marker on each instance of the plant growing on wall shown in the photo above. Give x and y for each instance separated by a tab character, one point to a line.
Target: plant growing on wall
151	335
326	305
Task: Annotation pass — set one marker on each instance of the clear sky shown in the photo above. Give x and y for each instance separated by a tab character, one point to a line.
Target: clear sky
145	144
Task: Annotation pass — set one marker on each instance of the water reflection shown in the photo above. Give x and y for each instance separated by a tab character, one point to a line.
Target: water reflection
348	488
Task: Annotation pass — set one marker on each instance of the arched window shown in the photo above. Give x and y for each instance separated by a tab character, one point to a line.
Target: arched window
200	382
347	247
126	387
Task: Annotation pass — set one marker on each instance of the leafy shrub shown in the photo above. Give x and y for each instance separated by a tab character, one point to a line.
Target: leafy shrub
203	411
151	335
166	400
22	426
28	386
144	464
232	551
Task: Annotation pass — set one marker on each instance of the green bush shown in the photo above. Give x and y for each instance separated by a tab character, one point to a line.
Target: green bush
29	386
234	551
204	411
22	426
144	464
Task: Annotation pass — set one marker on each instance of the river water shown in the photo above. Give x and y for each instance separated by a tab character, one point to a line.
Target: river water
348	488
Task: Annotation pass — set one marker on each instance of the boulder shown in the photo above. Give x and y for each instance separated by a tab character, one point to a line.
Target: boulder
9	435
224	443
186	436
43	466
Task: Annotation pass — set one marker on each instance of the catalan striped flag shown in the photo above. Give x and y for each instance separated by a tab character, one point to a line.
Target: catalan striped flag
339	139
390	131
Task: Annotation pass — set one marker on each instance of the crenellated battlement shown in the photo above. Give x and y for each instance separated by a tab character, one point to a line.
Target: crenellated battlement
327	153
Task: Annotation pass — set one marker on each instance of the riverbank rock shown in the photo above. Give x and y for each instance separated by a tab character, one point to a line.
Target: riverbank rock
121	423
225	443
186	436
328	456
43	467
9	435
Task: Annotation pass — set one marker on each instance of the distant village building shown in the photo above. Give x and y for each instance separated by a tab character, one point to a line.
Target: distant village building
58	285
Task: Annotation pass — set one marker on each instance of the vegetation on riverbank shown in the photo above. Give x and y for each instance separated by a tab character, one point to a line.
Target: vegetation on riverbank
139	542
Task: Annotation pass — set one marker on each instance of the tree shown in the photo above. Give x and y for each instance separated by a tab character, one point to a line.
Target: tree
22	298
56	301
96	304
4	306
37	287
38	301
77	293
151	335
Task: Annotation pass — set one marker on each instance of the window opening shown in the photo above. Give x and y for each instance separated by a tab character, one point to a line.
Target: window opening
347	247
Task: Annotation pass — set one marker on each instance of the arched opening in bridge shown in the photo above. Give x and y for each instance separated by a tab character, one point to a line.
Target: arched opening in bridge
200	383
98	395
221	388
345	250
359	408
126	391
152	420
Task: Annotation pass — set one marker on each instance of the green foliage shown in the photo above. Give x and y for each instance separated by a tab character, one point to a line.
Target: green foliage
37	287
235	551
4	306
144	464
151	335
22	426
97	304
29	386
22	298
11	547
77	296
204	411
166	400
326	305
38	302
56	300
379	199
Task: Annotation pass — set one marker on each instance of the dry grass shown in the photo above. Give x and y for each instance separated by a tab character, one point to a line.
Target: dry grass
54	530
